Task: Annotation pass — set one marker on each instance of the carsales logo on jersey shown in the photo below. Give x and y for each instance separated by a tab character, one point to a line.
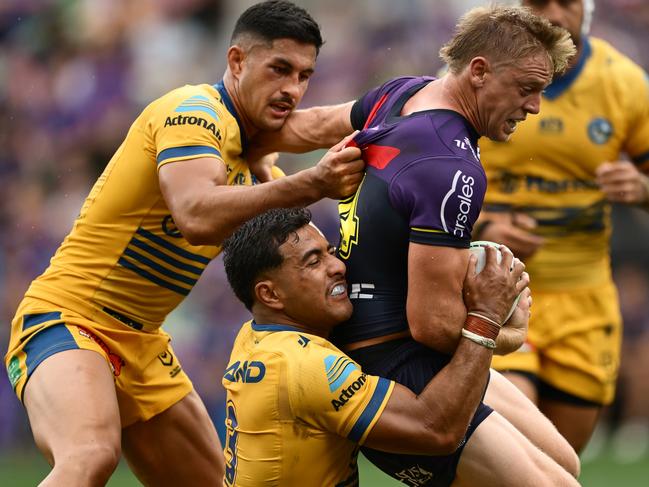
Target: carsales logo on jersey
460	193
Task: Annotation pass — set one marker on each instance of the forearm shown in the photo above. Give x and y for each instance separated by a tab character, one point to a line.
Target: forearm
309	129
221	209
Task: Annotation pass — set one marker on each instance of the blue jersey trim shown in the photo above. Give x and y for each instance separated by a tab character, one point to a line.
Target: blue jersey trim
39	318
561	83
157	267
154	279
227	101
188	150
198	103
262	327
167	258
46	343
169	246
370	411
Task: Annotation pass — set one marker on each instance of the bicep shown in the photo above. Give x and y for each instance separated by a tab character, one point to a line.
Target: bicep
183	182
435	307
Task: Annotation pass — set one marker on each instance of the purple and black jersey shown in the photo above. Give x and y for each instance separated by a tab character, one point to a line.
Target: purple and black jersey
424	183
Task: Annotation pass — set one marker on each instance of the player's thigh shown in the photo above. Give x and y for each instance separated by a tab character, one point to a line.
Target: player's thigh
178	446
576	422
72	408
499	455
507	399
521	368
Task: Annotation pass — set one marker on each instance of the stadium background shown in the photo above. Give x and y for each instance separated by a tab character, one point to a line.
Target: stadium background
75	73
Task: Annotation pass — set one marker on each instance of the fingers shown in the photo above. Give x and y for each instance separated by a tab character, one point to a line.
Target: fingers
524	221
340	145
523	282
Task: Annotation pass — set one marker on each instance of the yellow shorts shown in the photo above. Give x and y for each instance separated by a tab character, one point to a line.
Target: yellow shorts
573	343
148	376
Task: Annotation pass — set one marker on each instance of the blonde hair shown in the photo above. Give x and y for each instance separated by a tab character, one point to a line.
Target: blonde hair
505	34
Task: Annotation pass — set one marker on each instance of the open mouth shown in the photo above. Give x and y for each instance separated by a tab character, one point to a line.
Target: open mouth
281	109
338	290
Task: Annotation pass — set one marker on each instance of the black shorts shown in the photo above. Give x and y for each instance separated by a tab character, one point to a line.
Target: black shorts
413	365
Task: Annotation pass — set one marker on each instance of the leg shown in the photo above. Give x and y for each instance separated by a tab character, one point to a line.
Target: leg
72	408
499	455
505	398
575	422
176	447
524	384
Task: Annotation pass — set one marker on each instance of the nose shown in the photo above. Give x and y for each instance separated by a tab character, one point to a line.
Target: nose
292	88
336	266
533	104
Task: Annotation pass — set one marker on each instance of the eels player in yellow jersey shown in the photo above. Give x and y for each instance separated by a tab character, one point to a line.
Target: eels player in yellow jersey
87	355
298	407
547	199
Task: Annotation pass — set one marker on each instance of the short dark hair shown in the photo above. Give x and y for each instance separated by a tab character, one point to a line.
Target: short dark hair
254	248
279	19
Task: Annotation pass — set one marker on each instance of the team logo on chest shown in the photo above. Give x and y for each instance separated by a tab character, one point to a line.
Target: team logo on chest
600	130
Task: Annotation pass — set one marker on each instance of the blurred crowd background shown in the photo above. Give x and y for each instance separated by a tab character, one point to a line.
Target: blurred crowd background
74	74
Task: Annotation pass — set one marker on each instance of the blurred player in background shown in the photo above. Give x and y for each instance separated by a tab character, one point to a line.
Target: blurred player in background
405	234
549	189
87	355
297	407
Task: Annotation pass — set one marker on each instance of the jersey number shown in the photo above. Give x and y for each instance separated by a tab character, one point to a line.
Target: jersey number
231	438
349	223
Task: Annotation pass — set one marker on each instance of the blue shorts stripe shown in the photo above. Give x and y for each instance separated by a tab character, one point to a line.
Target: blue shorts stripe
155	279
370	411
189	150
174	248
159	268
38	318
167	258
46	343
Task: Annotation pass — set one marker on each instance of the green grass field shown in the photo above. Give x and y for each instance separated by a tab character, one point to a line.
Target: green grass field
27	469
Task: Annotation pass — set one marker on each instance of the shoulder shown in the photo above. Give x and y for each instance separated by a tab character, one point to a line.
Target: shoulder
191	100
615	67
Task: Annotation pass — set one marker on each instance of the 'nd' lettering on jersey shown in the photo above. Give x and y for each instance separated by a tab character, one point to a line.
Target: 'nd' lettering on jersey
297	408
424	183
598	110
124	253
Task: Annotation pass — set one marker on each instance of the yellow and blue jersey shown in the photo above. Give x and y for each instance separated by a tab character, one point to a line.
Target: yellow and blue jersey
594	113
297	408
124	254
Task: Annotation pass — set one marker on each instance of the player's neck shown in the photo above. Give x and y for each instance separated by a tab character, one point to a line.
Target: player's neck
271	317
230	86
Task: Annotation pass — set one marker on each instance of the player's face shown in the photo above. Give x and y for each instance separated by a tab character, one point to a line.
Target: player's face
273	80
562	13
510	92
311	282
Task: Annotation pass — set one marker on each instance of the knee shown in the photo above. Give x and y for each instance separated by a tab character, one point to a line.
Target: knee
92	462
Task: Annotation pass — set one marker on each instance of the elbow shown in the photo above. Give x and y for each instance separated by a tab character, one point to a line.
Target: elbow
434	335
442	442
196	232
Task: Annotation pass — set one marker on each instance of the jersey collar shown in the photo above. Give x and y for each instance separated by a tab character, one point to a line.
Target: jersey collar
273	327
563	82
233	111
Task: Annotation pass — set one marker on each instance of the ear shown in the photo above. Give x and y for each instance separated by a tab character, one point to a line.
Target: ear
236	55
479	67
267	295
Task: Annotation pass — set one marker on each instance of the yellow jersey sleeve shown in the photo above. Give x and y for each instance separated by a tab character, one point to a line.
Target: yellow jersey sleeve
637	91
330	392
187	123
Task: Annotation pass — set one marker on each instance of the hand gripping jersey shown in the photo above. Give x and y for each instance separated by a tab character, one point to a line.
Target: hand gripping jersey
598	110
297	407
124	254
424	183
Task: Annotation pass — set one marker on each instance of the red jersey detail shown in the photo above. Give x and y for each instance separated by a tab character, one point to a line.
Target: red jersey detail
379	156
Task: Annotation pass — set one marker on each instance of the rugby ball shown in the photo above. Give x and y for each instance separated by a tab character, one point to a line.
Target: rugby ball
477	248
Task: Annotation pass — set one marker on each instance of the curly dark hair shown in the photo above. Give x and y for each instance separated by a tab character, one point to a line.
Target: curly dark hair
254	248
279	19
